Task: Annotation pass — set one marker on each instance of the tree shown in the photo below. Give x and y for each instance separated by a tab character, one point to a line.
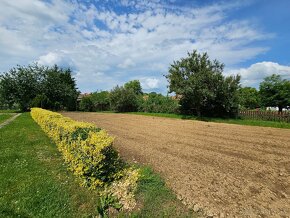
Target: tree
275	91
203	89
249	98
21	84
86	104
48	87
101	100
123	100
135	86
157	103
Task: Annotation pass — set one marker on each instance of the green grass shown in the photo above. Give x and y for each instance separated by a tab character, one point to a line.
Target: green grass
4	117
248	122
9	111
35	182
157	198
263	123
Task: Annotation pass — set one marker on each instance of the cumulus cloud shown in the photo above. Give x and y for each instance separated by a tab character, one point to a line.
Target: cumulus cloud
141	40
149	83
59	58
254	74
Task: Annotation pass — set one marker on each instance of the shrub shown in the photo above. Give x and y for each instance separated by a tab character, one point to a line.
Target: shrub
90	155
123	100
157	103
86	104
86	149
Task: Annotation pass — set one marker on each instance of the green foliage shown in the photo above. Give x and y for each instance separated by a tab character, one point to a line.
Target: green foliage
86	149
135	86
105	202
35	85
86	104
101	100
157	103
123	100
275	92
203	89
249	98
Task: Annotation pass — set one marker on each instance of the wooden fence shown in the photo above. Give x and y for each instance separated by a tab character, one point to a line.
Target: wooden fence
266	115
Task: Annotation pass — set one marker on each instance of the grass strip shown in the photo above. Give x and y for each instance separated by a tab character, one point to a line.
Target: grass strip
35	182
247	122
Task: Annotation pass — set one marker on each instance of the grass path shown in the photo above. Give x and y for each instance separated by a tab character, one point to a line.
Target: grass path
34	182
5	119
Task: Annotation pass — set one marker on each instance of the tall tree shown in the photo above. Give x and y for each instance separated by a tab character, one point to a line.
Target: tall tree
135	86
204	89
35	85
275	91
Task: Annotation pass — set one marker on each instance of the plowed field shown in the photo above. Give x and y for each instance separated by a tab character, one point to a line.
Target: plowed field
224	169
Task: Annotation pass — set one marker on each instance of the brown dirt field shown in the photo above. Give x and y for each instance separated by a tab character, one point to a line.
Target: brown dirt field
224	170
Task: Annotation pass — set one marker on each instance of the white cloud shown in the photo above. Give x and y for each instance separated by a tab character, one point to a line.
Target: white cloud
149	83
121	45
254	74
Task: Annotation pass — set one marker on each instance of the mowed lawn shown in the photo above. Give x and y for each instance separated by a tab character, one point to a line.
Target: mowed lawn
4	117
35	182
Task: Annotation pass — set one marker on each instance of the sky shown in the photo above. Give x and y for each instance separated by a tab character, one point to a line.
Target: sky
109	42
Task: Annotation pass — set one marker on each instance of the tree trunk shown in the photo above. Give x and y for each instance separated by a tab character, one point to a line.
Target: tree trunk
280	109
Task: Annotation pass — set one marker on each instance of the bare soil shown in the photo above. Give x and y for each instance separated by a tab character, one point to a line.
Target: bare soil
225	170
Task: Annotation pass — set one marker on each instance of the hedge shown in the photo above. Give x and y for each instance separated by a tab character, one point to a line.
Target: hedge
86	149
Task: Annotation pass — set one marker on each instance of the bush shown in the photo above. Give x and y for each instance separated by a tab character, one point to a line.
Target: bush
101	101
123	100
157	103
86	149
87	104
90	155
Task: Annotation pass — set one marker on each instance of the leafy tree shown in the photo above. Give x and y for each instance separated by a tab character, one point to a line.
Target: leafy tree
135	86
21	85
123	100
275	91
86	104
249	98
204	89
49	87
157	103
101	100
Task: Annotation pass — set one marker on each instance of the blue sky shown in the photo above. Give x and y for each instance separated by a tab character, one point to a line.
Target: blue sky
109	42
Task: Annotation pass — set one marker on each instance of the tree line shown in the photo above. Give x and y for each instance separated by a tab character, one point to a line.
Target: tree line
197	82
29	86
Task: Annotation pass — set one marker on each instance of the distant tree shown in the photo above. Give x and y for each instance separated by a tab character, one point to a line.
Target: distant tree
135	86
21	85
203	89
249	98
87	104
157	103
275	91
101	100
60	88
49	87
123	99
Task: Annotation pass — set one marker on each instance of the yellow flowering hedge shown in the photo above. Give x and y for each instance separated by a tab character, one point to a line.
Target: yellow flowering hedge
86	149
